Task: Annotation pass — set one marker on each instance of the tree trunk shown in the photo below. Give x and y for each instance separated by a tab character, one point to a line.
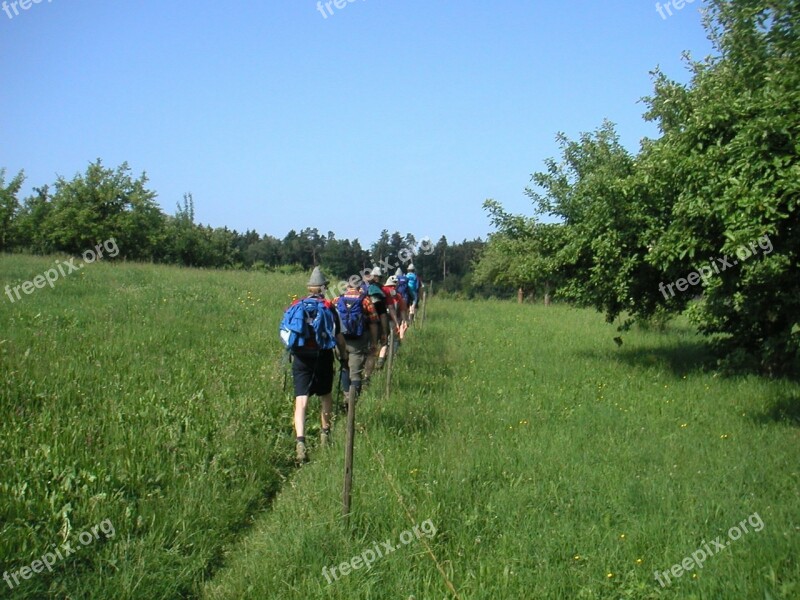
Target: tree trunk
547	294
520	296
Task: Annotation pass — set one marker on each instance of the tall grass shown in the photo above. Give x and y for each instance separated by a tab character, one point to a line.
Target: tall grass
553	465
147	396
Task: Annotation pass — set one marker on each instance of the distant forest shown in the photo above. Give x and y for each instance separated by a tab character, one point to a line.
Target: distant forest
74	215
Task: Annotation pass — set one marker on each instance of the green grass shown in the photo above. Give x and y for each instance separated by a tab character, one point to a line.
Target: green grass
546	457
553	465
148	396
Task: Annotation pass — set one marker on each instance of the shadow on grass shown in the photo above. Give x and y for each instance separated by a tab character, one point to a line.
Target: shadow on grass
680	359
784	409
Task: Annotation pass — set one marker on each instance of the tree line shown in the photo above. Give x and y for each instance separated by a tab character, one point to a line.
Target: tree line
73	215
702	219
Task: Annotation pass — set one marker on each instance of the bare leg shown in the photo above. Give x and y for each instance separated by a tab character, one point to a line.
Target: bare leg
326	410
300	404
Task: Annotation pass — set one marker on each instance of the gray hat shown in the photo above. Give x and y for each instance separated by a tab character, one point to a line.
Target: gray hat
317	278
399	272
411	267
377	272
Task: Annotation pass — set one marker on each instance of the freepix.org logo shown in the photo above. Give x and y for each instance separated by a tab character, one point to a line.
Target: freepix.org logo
378	550
717	266
325	7
67	549
65	268
12	8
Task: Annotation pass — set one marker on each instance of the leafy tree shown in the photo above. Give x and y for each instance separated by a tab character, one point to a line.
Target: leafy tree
606	224
9	209
722	182
381	249
184	237
337	258
522	254
266	251
733	178
101	204
33	215
313	244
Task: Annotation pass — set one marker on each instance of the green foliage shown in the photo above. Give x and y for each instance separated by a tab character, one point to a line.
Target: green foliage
103	203
730	140
31	222
523	253
100	205
9	209
723	176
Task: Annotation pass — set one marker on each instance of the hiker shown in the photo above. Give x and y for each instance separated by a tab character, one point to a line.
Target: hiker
413	290
378	297
398	301
360	328
311	329
402	285
390	299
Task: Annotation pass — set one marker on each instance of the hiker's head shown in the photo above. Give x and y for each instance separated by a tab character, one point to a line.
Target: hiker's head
391	282
376	274
317	281
411	268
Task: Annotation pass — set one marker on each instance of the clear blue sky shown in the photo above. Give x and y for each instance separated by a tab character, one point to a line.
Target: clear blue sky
395	114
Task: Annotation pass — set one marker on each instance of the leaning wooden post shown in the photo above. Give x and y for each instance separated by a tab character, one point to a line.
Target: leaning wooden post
348	454
390	363
424	304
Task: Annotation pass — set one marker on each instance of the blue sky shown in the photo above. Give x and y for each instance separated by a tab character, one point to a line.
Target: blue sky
387	114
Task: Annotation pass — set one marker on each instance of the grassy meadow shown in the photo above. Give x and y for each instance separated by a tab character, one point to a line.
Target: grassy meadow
534	457
151	397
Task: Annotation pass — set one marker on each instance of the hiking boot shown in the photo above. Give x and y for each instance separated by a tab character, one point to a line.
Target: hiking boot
301	453
325	439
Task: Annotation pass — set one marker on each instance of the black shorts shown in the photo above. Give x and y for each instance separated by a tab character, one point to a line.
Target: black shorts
313	373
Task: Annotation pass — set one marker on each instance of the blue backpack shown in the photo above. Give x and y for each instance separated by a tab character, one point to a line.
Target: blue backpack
412	282
402	287
351	313
308	324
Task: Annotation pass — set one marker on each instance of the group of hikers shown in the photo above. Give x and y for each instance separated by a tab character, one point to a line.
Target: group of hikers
354	328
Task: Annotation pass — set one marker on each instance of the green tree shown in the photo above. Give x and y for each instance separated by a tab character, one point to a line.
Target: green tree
523	254
32	219
727	165
101	204
9	209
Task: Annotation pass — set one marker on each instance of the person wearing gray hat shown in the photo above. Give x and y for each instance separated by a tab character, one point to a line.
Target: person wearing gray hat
312	363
